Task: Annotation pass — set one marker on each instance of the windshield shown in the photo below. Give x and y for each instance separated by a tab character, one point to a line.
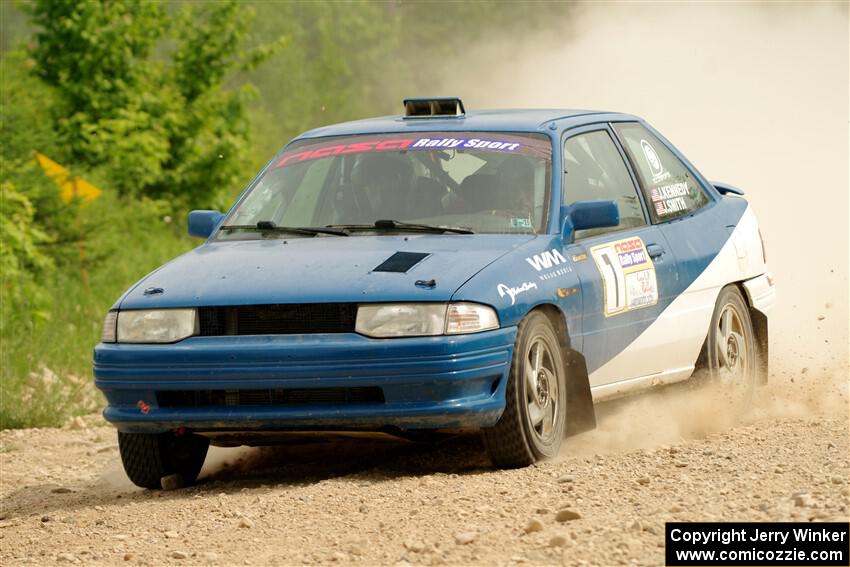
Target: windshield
485	182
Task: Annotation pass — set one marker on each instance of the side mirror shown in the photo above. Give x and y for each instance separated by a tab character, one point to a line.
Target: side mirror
584	215
202	223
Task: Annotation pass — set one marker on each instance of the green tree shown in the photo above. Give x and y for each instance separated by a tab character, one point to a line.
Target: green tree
162	127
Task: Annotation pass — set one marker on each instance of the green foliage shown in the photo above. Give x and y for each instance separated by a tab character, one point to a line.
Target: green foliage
26	198
161	129
22	260
27	106
95	53
207	53
20	251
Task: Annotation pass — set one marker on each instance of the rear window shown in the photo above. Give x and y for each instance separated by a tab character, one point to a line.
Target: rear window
488	182
670	189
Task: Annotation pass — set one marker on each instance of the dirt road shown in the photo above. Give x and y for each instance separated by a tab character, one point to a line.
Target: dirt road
669	456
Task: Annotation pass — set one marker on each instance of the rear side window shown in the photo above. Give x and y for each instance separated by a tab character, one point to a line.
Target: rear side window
670	189
594	169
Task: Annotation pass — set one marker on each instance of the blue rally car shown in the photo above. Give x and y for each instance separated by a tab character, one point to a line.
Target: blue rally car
494	270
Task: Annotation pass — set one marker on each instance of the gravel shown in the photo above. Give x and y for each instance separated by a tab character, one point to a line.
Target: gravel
377	501
567	515
171	482
534	525
465	538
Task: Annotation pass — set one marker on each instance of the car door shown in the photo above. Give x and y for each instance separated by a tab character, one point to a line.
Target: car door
627	272
680	207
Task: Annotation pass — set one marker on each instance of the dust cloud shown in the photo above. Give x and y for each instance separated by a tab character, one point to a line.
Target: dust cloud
756	95
683	412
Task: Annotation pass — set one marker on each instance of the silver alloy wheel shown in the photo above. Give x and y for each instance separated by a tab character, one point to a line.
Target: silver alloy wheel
533	423
541	391
732	350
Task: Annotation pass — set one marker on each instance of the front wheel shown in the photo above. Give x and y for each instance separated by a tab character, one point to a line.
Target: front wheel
731	353
148	457
533	423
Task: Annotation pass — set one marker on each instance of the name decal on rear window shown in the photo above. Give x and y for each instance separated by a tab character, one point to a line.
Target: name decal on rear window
670	199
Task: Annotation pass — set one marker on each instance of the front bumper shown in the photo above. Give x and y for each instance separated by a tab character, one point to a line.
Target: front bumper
426	382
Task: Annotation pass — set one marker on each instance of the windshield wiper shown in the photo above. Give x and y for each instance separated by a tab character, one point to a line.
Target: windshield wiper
405	226
270	226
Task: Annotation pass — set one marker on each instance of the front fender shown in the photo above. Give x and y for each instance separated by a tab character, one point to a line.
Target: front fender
532	275
535	275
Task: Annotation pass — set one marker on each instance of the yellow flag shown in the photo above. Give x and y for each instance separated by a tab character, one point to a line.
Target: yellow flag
69	189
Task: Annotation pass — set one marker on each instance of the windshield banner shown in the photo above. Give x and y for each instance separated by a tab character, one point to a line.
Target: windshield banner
528	144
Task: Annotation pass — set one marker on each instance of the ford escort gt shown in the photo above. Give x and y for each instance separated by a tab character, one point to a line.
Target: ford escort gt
498	271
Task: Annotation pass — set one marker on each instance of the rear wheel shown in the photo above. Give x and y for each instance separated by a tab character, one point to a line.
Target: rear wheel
148	457
731	354
533	423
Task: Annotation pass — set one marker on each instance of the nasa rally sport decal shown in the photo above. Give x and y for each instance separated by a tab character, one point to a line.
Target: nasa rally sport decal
399	144
628	275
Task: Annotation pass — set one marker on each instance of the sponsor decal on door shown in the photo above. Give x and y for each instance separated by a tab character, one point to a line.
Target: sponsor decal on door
628	275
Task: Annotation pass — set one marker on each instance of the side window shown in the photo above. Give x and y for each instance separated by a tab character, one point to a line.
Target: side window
595	170
670	190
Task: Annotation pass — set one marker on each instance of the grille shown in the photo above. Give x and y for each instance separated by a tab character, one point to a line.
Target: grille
276	397
278	319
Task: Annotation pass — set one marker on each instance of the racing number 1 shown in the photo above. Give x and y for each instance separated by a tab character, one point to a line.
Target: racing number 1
613	280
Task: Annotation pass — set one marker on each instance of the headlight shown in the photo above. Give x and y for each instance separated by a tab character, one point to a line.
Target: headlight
108	335
423	319
401	319
155	325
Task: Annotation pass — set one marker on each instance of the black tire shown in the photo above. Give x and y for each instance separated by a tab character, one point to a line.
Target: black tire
515	441
149	457
730	358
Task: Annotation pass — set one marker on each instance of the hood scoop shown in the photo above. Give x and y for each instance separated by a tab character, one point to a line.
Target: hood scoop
401	262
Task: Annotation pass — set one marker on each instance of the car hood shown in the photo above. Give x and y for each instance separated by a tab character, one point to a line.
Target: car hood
319	270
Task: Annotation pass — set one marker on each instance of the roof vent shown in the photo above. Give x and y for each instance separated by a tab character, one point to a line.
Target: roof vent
433	107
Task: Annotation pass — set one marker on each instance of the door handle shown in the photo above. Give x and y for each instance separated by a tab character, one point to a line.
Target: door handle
655	250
